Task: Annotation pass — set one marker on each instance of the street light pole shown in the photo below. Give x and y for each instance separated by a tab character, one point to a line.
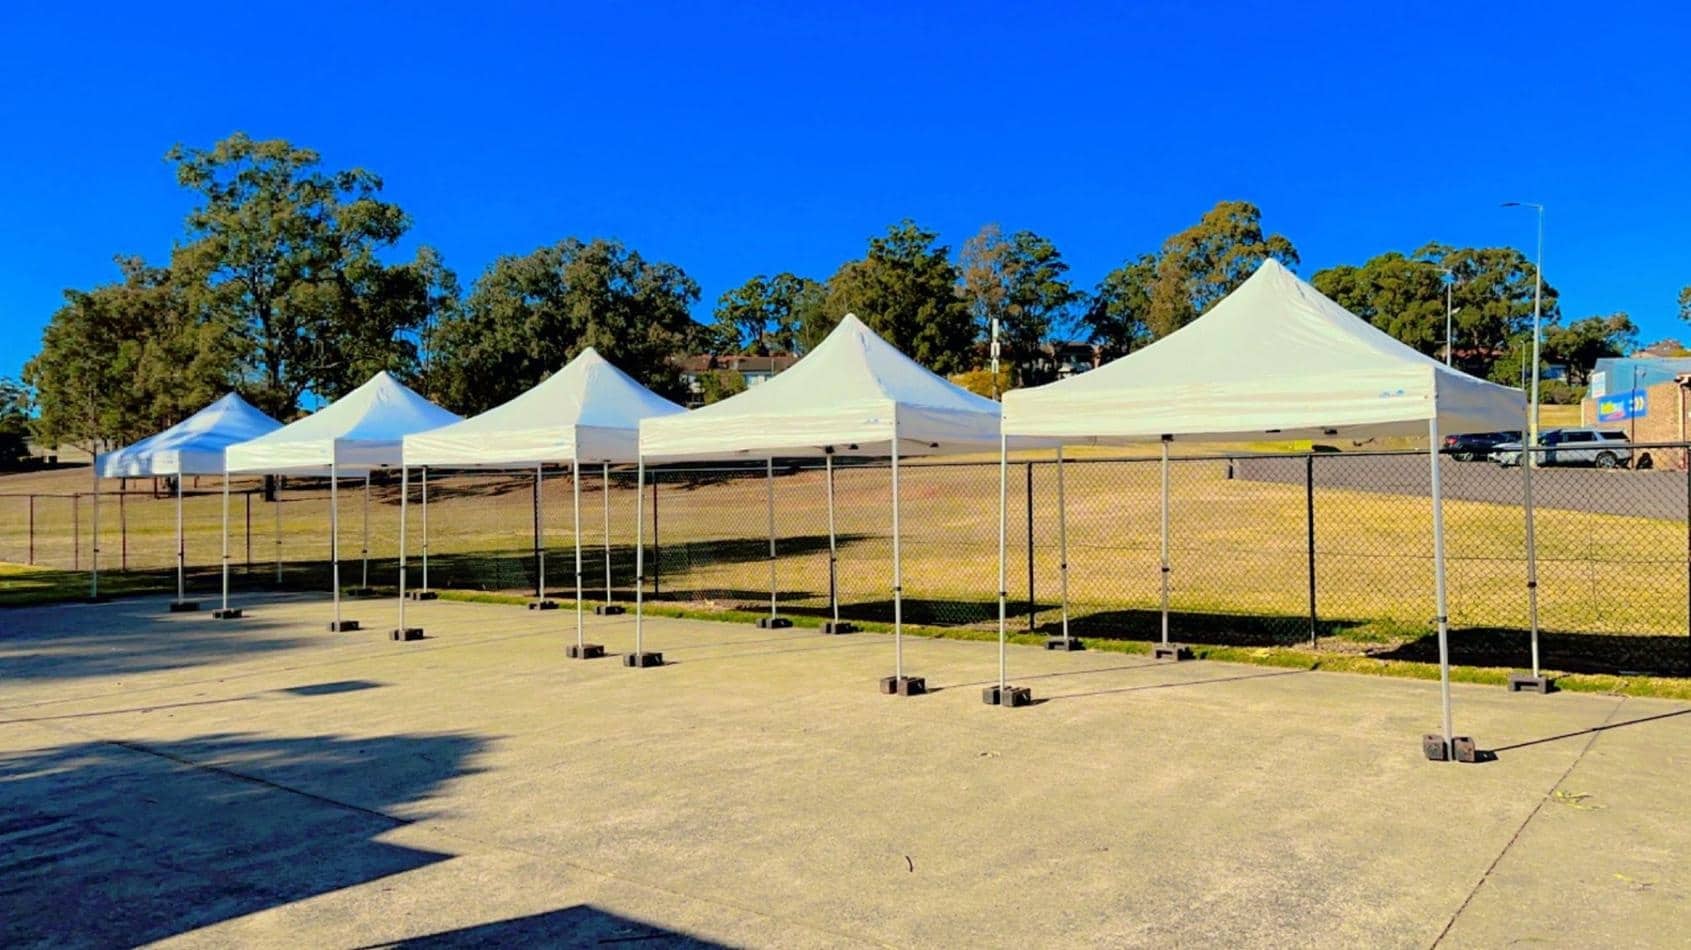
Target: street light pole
1537	313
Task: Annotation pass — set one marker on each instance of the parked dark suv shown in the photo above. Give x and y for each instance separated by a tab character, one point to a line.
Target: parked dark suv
1477	446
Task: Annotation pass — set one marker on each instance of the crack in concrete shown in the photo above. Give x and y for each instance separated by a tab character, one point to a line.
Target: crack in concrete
1548	795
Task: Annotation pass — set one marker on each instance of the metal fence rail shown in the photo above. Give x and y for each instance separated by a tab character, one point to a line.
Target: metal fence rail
1333	548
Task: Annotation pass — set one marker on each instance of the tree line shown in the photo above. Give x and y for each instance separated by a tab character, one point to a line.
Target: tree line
284	283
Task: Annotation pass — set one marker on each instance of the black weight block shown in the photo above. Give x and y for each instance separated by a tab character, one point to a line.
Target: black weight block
838	626
610	610
406	633
1067	645
231	613
640	660
343	626
1171	651
543	605
584	651
903	685
184	606
774	623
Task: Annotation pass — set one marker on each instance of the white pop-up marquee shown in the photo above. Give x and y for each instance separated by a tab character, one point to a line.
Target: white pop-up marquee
588	412
854	395
193	446
356	434
1275	359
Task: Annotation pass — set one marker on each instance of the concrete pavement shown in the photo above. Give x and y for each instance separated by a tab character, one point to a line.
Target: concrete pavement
172	778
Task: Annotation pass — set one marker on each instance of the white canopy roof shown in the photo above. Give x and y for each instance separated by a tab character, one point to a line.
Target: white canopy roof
1273	358
193	446
589	411
854	392
358	432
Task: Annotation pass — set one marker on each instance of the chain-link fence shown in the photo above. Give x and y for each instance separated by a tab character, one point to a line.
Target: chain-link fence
1329	548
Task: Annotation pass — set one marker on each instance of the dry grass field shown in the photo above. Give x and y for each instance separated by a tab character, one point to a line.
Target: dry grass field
1238	549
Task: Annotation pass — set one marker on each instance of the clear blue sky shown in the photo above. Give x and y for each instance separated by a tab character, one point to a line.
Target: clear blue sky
751	138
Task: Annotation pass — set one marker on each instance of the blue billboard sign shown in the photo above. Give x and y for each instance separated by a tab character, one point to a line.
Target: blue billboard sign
1623	406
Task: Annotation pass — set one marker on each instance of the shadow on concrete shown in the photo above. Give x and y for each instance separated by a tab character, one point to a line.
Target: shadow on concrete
118	844
1561	650
582	925
129	637
1605	727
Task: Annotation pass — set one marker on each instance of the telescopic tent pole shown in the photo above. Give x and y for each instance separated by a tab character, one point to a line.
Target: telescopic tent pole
402	632
225	601
425	474
607	532
898	684
181	546
833	549
575	490
404	499
1537	681
897	573
539	538
640	658
1003	577
1063	549
335	542
364	579
276	503
771	621
94	568
1164	534
1446	750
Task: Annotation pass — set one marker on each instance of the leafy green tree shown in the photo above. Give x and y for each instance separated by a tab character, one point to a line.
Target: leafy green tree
1118	315
125	359
1209	260
764	315
15	404
1492	290
1582	343
1017	280
526	316
905	288
1685	304
718	384
291	253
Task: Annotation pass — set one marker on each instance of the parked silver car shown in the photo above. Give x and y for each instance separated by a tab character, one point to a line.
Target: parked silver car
1603	448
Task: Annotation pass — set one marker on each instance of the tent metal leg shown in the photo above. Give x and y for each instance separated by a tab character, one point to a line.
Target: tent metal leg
1002	693
402	632
898	684
337	625
581	649
608	608
364	551
1064	641
772	621
1536	681
181	604
276	502
835	625
94	564
540	602
640	658
1445	746
1166	650
426	592
225	612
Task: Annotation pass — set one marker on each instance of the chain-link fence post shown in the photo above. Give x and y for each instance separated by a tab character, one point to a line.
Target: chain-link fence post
122	529
31	530
1688	564
247	537
1309	534
76	532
